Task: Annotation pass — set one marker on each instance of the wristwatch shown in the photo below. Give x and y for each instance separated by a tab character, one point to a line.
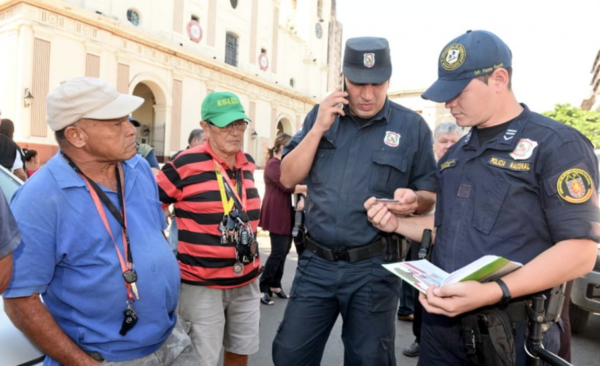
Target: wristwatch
505	294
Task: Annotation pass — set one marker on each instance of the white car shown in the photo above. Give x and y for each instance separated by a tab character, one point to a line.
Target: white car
15	348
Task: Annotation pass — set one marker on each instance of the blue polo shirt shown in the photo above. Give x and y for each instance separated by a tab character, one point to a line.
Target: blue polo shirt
516	195
68	257
354	162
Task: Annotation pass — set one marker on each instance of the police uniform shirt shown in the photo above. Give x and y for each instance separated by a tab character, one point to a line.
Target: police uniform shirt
357	161
518	194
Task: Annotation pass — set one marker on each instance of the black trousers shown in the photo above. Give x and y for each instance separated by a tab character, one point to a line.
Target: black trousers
273	271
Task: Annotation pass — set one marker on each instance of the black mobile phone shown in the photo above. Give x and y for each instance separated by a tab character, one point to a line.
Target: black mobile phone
341	105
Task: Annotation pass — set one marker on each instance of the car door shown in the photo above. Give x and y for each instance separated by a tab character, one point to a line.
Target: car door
15	348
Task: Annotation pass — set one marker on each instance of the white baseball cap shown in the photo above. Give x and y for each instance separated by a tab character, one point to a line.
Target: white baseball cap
87	97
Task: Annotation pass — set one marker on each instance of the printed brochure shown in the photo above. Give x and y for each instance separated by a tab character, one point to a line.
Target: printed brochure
422	273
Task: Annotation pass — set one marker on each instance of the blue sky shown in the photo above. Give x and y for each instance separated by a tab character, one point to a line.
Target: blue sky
554	43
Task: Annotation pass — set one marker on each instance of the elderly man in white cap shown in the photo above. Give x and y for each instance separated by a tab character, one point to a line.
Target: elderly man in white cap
93	247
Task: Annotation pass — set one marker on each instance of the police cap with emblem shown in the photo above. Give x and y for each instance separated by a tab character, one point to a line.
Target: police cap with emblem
367	60
473	54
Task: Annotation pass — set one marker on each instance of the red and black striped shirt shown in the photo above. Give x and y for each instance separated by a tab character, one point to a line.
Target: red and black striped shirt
190	183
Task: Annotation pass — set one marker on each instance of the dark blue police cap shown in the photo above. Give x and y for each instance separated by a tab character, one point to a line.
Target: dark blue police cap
473	54
367	60
133	121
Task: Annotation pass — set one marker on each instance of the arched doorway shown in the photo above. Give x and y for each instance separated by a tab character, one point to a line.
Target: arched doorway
284	126
152	116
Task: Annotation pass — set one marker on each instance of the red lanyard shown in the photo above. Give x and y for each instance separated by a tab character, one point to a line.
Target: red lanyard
126	267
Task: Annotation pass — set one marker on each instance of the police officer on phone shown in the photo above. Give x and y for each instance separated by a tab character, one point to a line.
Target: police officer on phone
355	144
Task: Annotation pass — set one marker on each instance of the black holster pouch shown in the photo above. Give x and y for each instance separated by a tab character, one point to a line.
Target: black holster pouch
394	248
299	230
489	334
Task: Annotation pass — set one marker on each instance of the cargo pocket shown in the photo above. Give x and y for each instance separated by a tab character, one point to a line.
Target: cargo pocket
389	172
488	202
388	354
303	263
384	289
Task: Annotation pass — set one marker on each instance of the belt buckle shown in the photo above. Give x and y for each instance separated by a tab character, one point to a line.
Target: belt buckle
340	254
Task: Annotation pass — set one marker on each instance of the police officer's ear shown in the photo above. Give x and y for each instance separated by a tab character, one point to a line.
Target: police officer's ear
500	80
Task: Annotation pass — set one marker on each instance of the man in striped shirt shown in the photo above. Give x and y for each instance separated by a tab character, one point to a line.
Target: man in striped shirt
217	209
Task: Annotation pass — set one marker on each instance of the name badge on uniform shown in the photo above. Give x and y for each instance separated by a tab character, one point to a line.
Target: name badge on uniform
448	164
510	165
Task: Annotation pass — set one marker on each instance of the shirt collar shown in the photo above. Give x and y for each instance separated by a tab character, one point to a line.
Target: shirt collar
508	140
240	157
66	177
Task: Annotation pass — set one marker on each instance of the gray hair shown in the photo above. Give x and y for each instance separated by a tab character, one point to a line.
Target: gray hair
195	134
446	127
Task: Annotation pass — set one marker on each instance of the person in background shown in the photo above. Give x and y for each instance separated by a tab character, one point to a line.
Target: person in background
444	136
7	129
9	240
32	161
197	137
217	207
276	216
93	248
145	150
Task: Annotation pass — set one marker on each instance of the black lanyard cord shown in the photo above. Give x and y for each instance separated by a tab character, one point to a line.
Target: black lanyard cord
118	214
229	190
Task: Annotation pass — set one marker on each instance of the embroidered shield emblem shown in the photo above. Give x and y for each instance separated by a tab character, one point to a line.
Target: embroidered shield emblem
391	139
369	60
575	186
524	149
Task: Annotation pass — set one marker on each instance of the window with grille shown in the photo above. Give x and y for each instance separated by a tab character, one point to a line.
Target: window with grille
133	17
231	45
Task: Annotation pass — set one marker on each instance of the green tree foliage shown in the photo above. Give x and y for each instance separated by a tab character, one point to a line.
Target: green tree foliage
586	122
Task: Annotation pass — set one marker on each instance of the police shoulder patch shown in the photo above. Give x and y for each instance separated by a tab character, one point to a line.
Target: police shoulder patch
575	186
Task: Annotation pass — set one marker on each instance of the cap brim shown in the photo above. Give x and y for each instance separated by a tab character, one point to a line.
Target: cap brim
121	106
368	76
445	90
226	118
134	122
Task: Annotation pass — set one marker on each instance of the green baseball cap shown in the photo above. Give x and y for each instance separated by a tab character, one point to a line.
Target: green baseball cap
222	108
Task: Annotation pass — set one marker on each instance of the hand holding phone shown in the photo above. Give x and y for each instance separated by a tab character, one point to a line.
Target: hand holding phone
386	200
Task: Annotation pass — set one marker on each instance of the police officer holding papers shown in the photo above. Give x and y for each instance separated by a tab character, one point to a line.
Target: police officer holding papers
518	185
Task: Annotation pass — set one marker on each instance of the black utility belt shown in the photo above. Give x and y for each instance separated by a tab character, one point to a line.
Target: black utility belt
389	248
